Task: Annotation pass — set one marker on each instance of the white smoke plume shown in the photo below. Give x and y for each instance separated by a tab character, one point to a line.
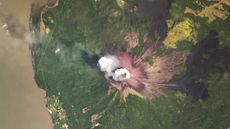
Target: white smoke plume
121	74
111	66
108	64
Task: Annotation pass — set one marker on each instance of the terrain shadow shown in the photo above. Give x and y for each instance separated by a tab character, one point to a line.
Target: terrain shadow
157	11
206	58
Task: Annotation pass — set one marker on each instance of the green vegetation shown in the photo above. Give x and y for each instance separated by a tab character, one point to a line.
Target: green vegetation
213	15
77	95
183	19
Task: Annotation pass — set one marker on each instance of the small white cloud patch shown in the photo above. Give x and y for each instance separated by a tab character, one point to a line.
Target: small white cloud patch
57	50
4	26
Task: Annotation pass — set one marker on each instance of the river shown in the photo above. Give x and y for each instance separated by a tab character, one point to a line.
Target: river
22	103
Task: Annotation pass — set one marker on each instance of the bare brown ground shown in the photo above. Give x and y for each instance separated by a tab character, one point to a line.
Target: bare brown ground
37	10
162	71
213	11
165	67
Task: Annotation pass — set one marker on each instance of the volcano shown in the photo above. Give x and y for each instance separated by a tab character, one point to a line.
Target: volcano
130	74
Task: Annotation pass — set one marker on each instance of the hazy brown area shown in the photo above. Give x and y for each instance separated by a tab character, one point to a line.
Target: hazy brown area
22	103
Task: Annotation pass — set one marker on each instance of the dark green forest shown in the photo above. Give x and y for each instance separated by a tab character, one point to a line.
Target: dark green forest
77	92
